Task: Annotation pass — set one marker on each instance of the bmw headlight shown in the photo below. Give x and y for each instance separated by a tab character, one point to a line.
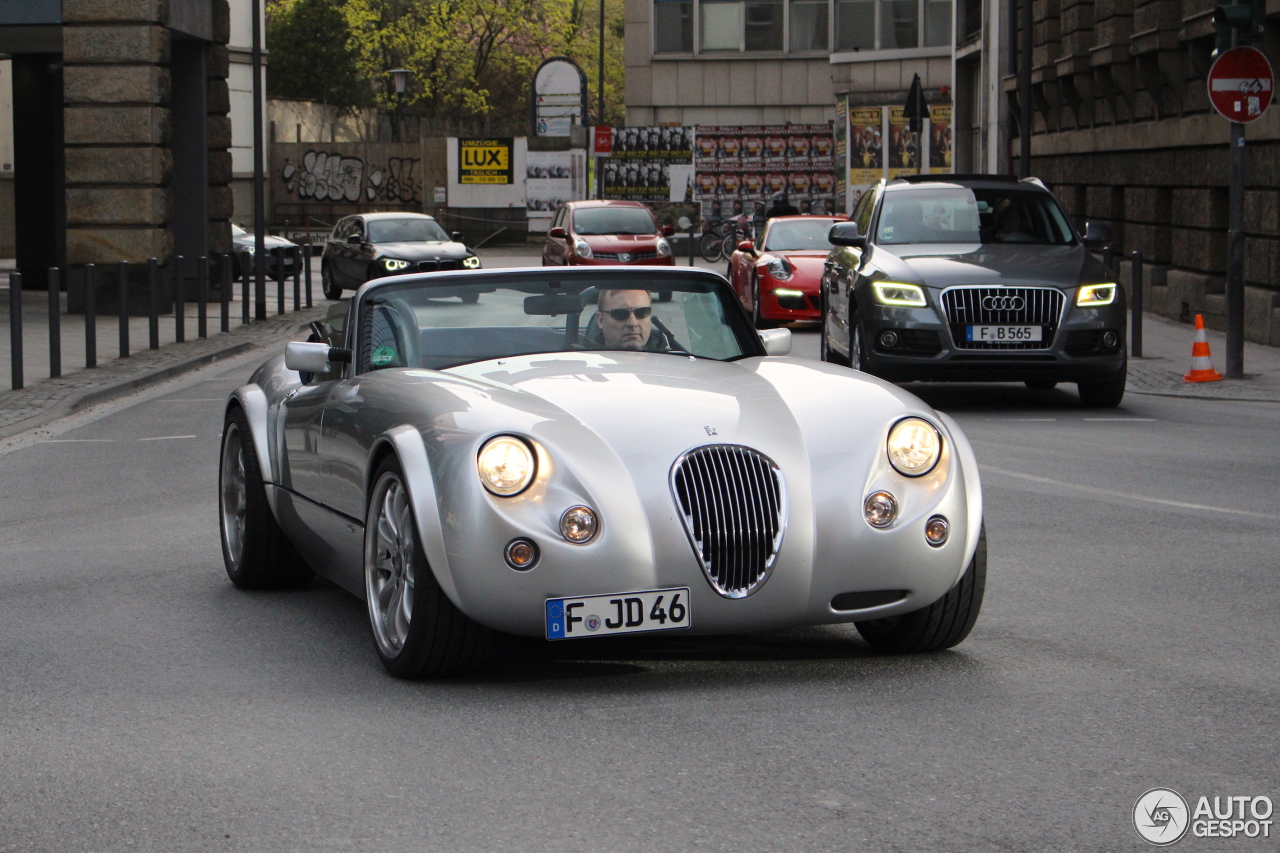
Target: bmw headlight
664	249
779	269
914	447
471	262
392	264
898	294
580	248
506	465
1094	295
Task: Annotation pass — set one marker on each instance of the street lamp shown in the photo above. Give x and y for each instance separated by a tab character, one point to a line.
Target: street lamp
399	79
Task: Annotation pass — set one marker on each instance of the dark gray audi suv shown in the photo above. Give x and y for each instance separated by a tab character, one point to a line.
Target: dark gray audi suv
976	278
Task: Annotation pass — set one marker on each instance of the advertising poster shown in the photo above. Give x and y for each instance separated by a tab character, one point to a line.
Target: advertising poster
485	161
842	151
940	139
548	184
740	169
866	148
904	146
640	167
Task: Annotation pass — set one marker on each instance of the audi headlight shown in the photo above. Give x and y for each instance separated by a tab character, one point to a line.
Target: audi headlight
914	447
1093	295
393	264
779	269
664	249
471	262
506	465
580	248
898	294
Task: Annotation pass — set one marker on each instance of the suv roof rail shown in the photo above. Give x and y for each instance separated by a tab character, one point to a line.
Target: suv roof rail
921	179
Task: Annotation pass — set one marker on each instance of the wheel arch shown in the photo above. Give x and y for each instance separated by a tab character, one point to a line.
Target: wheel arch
252	400
968	464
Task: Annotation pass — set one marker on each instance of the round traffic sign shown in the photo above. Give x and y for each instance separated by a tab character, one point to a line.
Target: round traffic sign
1240	84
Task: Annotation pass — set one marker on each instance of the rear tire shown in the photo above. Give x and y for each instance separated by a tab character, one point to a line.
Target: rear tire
327	284
256	552
941	625
1106	394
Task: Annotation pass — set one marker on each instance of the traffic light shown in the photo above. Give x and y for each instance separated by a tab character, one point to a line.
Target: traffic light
1246	20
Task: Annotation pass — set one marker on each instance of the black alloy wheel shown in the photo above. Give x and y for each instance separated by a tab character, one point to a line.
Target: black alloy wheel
327	284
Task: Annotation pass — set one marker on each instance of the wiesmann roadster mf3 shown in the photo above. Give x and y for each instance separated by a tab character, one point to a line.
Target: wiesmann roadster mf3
556	453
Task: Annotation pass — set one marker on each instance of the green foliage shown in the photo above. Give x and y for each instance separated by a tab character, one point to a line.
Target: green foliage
311	54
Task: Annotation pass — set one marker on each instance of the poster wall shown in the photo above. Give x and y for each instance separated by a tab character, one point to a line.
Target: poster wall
740	169
552	178
881	145
649	164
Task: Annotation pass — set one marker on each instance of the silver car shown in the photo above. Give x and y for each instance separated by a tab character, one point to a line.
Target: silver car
571	458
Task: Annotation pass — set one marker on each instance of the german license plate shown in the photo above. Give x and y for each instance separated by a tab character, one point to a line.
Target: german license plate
1004	334
621	613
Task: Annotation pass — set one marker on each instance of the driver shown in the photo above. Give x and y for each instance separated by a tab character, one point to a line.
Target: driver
625	320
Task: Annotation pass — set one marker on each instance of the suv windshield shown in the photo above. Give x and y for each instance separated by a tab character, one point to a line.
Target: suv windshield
460	320
798	235
963	215
613	220
406	231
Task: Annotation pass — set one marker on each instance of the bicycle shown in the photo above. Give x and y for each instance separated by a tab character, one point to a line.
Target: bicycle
710	243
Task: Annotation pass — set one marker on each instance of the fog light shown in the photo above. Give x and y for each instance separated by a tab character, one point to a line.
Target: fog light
881	509
936	530
578	524
889	339
521	554
1110	339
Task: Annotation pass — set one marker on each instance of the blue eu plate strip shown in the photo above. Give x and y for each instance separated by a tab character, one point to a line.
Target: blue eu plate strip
555	619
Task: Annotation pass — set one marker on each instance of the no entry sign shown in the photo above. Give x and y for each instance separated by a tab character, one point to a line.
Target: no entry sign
1240	84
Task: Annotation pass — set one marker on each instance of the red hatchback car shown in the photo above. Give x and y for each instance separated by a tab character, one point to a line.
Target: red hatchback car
606	232
778	277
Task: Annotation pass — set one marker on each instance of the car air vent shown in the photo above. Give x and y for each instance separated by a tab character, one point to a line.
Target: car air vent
863	600
1003	306
733	504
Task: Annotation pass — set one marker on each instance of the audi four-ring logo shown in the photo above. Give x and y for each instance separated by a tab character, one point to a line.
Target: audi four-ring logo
1003	303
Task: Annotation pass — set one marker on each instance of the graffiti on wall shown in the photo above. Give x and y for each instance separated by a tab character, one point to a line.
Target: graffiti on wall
338	178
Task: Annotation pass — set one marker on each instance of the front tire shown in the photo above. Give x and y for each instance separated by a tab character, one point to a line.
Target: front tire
756	319
328	285
1106	394
417	631
941	625
255	550
857	344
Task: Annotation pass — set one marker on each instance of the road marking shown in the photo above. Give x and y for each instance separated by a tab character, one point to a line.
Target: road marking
1127	496
1105	420
1027	420
195	400
76	441
166	437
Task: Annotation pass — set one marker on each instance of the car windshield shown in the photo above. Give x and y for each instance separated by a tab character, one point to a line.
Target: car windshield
613	220
406	231
963	215
444	322
798	235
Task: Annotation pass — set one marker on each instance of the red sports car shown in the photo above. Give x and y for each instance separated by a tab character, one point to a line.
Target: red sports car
606	232
777	277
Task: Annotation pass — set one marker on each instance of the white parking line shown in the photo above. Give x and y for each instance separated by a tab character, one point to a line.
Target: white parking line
1125	420
76	441
165	437
194	400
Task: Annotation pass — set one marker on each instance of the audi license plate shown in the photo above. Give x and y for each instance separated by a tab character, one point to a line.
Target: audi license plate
622	613
1004	334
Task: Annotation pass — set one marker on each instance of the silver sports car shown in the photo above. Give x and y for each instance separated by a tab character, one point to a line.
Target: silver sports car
586	452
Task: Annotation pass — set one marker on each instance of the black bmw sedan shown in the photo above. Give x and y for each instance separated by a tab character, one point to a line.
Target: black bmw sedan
370	245
973	278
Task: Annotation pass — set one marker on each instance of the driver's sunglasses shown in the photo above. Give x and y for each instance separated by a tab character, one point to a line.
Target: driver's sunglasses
621	314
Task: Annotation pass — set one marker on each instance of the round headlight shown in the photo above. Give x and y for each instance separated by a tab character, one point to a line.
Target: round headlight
506	465
914	447
578	524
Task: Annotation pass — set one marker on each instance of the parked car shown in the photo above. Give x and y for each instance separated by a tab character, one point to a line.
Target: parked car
372	245
571	459
244	244
592	233
973	278
778	278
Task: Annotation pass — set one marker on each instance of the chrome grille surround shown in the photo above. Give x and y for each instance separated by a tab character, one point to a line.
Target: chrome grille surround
1041	306
733	504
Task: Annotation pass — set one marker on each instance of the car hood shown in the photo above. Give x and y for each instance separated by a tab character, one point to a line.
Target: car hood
421	251
620	242
958	264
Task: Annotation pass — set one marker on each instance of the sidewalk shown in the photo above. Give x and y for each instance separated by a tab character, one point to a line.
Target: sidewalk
1166	350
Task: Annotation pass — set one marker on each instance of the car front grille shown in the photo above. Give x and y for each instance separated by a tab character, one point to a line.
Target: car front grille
632	257
1003	306
434	266
732	501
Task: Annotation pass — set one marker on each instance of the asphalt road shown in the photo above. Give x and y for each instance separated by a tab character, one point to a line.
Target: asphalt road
1129	640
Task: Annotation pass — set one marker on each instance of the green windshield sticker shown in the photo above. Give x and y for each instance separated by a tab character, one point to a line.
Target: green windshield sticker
383	355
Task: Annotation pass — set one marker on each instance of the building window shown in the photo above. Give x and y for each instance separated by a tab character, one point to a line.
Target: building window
899	24
892	24
809	25
937	23
764	25
855	24
673	26
721	25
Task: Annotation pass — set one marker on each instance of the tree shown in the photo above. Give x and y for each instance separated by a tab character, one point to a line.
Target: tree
311	56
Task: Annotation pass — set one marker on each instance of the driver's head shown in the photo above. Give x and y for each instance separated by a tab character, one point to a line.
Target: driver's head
1008	216
624	318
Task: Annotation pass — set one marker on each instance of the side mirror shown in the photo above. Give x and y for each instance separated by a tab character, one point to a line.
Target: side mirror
457	237
746	246
1097	233
355	239
668	230
776	341
846	234
307	357
558	233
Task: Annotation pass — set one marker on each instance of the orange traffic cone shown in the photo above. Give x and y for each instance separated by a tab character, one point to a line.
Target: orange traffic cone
1201	364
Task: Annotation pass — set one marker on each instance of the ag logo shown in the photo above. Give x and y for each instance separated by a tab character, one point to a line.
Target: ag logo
1002	303
1160	816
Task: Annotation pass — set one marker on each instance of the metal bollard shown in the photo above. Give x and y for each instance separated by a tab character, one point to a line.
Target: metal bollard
90	315
296	255
153	303
202	295
306	261
15	330
1135	308
279	259
179	302
55	323
244	288
226	293
122	297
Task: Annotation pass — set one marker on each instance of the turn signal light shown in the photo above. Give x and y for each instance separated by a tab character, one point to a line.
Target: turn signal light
521	554
936	530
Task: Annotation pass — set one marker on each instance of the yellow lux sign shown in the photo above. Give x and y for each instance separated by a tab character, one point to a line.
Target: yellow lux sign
484	161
